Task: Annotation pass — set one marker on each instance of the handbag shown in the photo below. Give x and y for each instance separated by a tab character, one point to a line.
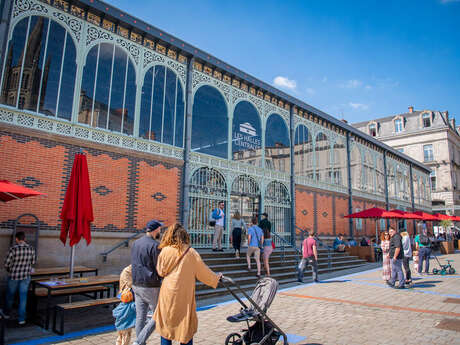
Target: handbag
177	262
273	245
212	221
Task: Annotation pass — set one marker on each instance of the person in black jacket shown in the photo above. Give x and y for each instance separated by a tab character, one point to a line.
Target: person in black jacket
146	281
396	259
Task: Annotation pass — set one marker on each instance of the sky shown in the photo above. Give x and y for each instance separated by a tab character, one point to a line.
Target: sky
355	60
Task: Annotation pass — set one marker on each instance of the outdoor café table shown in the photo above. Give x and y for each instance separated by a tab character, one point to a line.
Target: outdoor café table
65	284
46	272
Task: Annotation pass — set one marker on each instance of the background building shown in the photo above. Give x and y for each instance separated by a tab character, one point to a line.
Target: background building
430	137
169	131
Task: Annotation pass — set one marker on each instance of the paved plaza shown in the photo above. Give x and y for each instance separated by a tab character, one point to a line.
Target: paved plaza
352	309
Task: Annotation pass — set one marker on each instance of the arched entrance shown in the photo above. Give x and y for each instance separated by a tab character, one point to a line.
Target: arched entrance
245	197
277	204
207	188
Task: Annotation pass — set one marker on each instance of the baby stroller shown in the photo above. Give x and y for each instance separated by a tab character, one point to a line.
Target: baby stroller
263	331
445	269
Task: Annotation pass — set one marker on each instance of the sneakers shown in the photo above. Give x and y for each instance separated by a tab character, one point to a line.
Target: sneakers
389	284
21	323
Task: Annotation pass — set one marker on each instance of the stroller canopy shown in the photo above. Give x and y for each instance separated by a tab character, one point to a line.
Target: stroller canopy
264	293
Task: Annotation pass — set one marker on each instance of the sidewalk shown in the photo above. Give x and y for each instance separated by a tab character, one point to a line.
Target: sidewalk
353	309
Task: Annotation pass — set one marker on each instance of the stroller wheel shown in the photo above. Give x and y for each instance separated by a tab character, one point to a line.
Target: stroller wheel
451	270
234	339
435	271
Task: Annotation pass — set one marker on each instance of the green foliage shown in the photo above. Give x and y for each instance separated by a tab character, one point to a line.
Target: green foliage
446	223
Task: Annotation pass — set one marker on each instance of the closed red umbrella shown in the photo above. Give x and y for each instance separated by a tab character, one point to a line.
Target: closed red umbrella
10	191
77	211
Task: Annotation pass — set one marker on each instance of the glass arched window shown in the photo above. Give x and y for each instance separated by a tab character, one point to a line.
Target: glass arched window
340	173
398	125
323	158
162	107
380	175
246	134
40	68
108	89
356	168
210	122
277	149
391	178
369	182
303	152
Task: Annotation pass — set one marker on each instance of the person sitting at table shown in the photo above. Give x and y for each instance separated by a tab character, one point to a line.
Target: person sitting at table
364	242
125	312
18	265
352	242
339	244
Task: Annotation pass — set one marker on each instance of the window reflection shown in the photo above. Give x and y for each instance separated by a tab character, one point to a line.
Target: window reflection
246	134
339	174
323	158
44	64
210	122
162	107
108	92
355	167
277	151
303	152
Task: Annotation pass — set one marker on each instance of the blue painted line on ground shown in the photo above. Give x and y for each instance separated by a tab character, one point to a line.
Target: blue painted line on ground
69	336
293	338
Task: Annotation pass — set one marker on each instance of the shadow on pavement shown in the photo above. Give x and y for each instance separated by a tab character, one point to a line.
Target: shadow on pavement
334	281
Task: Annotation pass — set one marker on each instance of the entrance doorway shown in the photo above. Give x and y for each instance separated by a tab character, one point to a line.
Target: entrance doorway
245	198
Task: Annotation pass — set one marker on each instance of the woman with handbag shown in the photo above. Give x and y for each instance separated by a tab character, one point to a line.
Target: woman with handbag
125	312
238	225
180	266
267	250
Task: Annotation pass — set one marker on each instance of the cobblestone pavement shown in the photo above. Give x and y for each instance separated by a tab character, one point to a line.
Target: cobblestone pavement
354	309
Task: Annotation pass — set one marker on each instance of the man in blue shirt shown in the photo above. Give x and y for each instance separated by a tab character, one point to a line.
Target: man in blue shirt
255	240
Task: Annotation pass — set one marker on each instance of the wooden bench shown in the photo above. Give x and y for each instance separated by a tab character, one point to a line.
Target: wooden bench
42	292
62	308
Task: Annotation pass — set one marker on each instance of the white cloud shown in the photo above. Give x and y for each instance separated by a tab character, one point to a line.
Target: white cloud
310	91
285	82
358	106
351	84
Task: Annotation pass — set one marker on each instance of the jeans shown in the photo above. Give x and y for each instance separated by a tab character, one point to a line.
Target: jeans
236	239
424	253
396	271
407	268
145	298
169	342
12	287
314	266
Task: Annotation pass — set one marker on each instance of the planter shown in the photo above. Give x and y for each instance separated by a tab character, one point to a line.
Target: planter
447	247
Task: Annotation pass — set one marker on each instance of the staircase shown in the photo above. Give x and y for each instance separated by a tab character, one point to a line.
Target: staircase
283	267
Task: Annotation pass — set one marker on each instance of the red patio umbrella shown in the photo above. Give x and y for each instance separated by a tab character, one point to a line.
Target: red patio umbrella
10	191
375	213
426	216
407	215
77	211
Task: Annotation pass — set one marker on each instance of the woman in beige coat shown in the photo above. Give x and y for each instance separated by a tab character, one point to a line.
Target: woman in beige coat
180	265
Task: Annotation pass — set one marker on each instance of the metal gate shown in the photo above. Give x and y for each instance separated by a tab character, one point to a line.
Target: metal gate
207	188
278	204
245	198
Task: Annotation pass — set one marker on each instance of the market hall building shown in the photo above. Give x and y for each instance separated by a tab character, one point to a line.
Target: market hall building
170	130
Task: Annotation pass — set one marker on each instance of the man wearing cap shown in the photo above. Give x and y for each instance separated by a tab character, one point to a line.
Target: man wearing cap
146	281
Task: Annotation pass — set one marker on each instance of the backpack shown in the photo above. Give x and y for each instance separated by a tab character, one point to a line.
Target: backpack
424	240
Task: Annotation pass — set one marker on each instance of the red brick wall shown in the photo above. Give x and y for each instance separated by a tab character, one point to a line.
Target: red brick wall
325	214
128	188
341	210
304	212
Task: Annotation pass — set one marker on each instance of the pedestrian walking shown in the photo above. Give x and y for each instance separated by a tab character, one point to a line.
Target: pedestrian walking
423	246
18	266
125	312
180	266
407	247
146	281
309	257
238	226
255	241
268	244
218	217
385	245
396	256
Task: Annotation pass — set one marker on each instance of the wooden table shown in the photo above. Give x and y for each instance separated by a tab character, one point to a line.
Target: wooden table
40	273
64	284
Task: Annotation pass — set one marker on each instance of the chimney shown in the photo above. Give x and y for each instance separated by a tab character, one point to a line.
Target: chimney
447	114
343	120
411	109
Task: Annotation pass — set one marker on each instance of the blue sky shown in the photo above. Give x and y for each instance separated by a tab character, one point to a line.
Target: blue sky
352	59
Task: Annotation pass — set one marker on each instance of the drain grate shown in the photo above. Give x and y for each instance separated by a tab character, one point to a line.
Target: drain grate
449	324
452	300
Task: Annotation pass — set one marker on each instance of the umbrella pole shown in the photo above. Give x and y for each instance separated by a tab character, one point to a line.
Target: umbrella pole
72	260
